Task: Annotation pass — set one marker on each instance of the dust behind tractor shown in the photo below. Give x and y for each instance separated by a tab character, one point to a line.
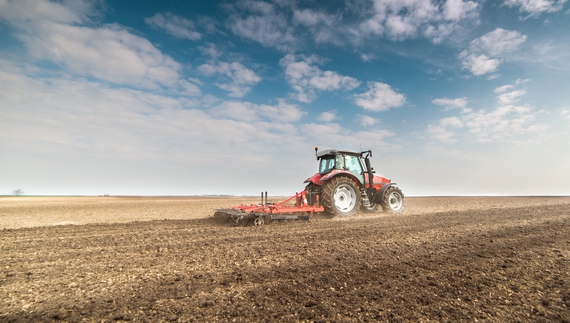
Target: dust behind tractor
345	184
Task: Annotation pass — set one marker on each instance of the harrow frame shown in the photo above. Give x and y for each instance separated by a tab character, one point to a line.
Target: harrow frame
266	211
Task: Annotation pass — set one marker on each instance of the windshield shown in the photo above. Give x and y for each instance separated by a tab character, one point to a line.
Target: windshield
353	165
345	162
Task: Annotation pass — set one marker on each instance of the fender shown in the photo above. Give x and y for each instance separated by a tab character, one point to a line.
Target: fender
380	194
315	179
319	179
338	172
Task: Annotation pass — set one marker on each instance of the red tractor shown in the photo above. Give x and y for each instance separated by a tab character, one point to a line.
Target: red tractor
342	184
340	188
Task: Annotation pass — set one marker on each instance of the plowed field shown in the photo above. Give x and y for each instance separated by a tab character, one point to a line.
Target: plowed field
445	259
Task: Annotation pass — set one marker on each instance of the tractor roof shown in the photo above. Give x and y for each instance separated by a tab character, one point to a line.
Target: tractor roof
334	152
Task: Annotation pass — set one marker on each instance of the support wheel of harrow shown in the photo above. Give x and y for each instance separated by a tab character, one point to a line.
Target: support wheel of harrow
393	200
340	196
258	221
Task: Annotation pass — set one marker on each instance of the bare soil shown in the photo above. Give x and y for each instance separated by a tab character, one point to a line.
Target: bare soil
445	259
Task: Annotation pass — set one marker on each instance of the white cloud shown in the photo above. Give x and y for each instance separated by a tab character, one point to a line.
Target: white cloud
367	121
110	53
438	33
241	79
262	22
441	132
282	112
367	57
460	103
458	9
504	88
30	13
536	7
482	55
402	19
311	18
321	25
174	25
501	124
305	77
521	81
510	97
497	42
379	97
249	112
334	135
327	116
235	110
479	64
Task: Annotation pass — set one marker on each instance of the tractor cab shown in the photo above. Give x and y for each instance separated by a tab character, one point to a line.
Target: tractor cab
333	159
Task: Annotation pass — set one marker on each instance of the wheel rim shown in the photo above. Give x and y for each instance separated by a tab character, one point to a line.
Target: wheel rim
395	201
344	198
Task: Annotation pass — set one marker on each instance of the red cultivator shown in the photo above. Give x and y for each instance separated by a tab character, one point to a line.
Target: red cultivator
344	185
266	212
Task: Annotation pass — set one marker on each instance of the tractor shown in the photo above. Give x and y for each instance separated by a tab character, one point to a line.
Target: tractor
344	185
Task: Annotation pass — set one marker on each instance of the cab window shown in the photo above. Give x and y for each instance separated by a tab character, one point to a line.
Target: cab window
353	165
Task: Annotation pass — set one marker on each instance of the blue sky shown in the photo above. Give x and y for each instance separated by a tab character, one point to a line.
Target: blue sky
202	97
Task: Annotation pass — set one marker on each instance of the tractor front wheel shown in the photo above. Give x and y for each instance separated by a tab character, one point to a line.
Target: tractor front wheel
341	196
393	200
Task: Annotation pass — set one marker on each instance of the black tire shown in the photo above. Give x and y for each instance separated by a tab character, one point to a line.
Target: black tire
373	208
340	196
393	200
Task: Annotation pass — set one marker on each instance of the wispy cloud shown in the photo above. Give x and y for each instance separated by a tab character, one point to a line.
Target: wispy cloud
320	24
261	22
174	25
460	103
484	53
501	124
335	135
307	79
246	111
440	131
240	79
536	7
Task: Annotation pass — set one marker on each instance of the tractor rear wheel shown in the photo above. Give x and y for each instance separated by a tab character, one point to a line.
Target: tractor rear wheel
393	200
341	196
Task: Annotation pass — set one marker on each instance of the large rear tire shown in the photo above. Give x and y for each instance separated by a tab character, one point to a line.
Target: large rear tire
341	197
393	200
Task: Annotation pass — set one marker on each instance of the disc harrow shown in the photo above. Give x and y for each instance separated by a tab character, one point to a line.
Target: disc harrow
292	208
